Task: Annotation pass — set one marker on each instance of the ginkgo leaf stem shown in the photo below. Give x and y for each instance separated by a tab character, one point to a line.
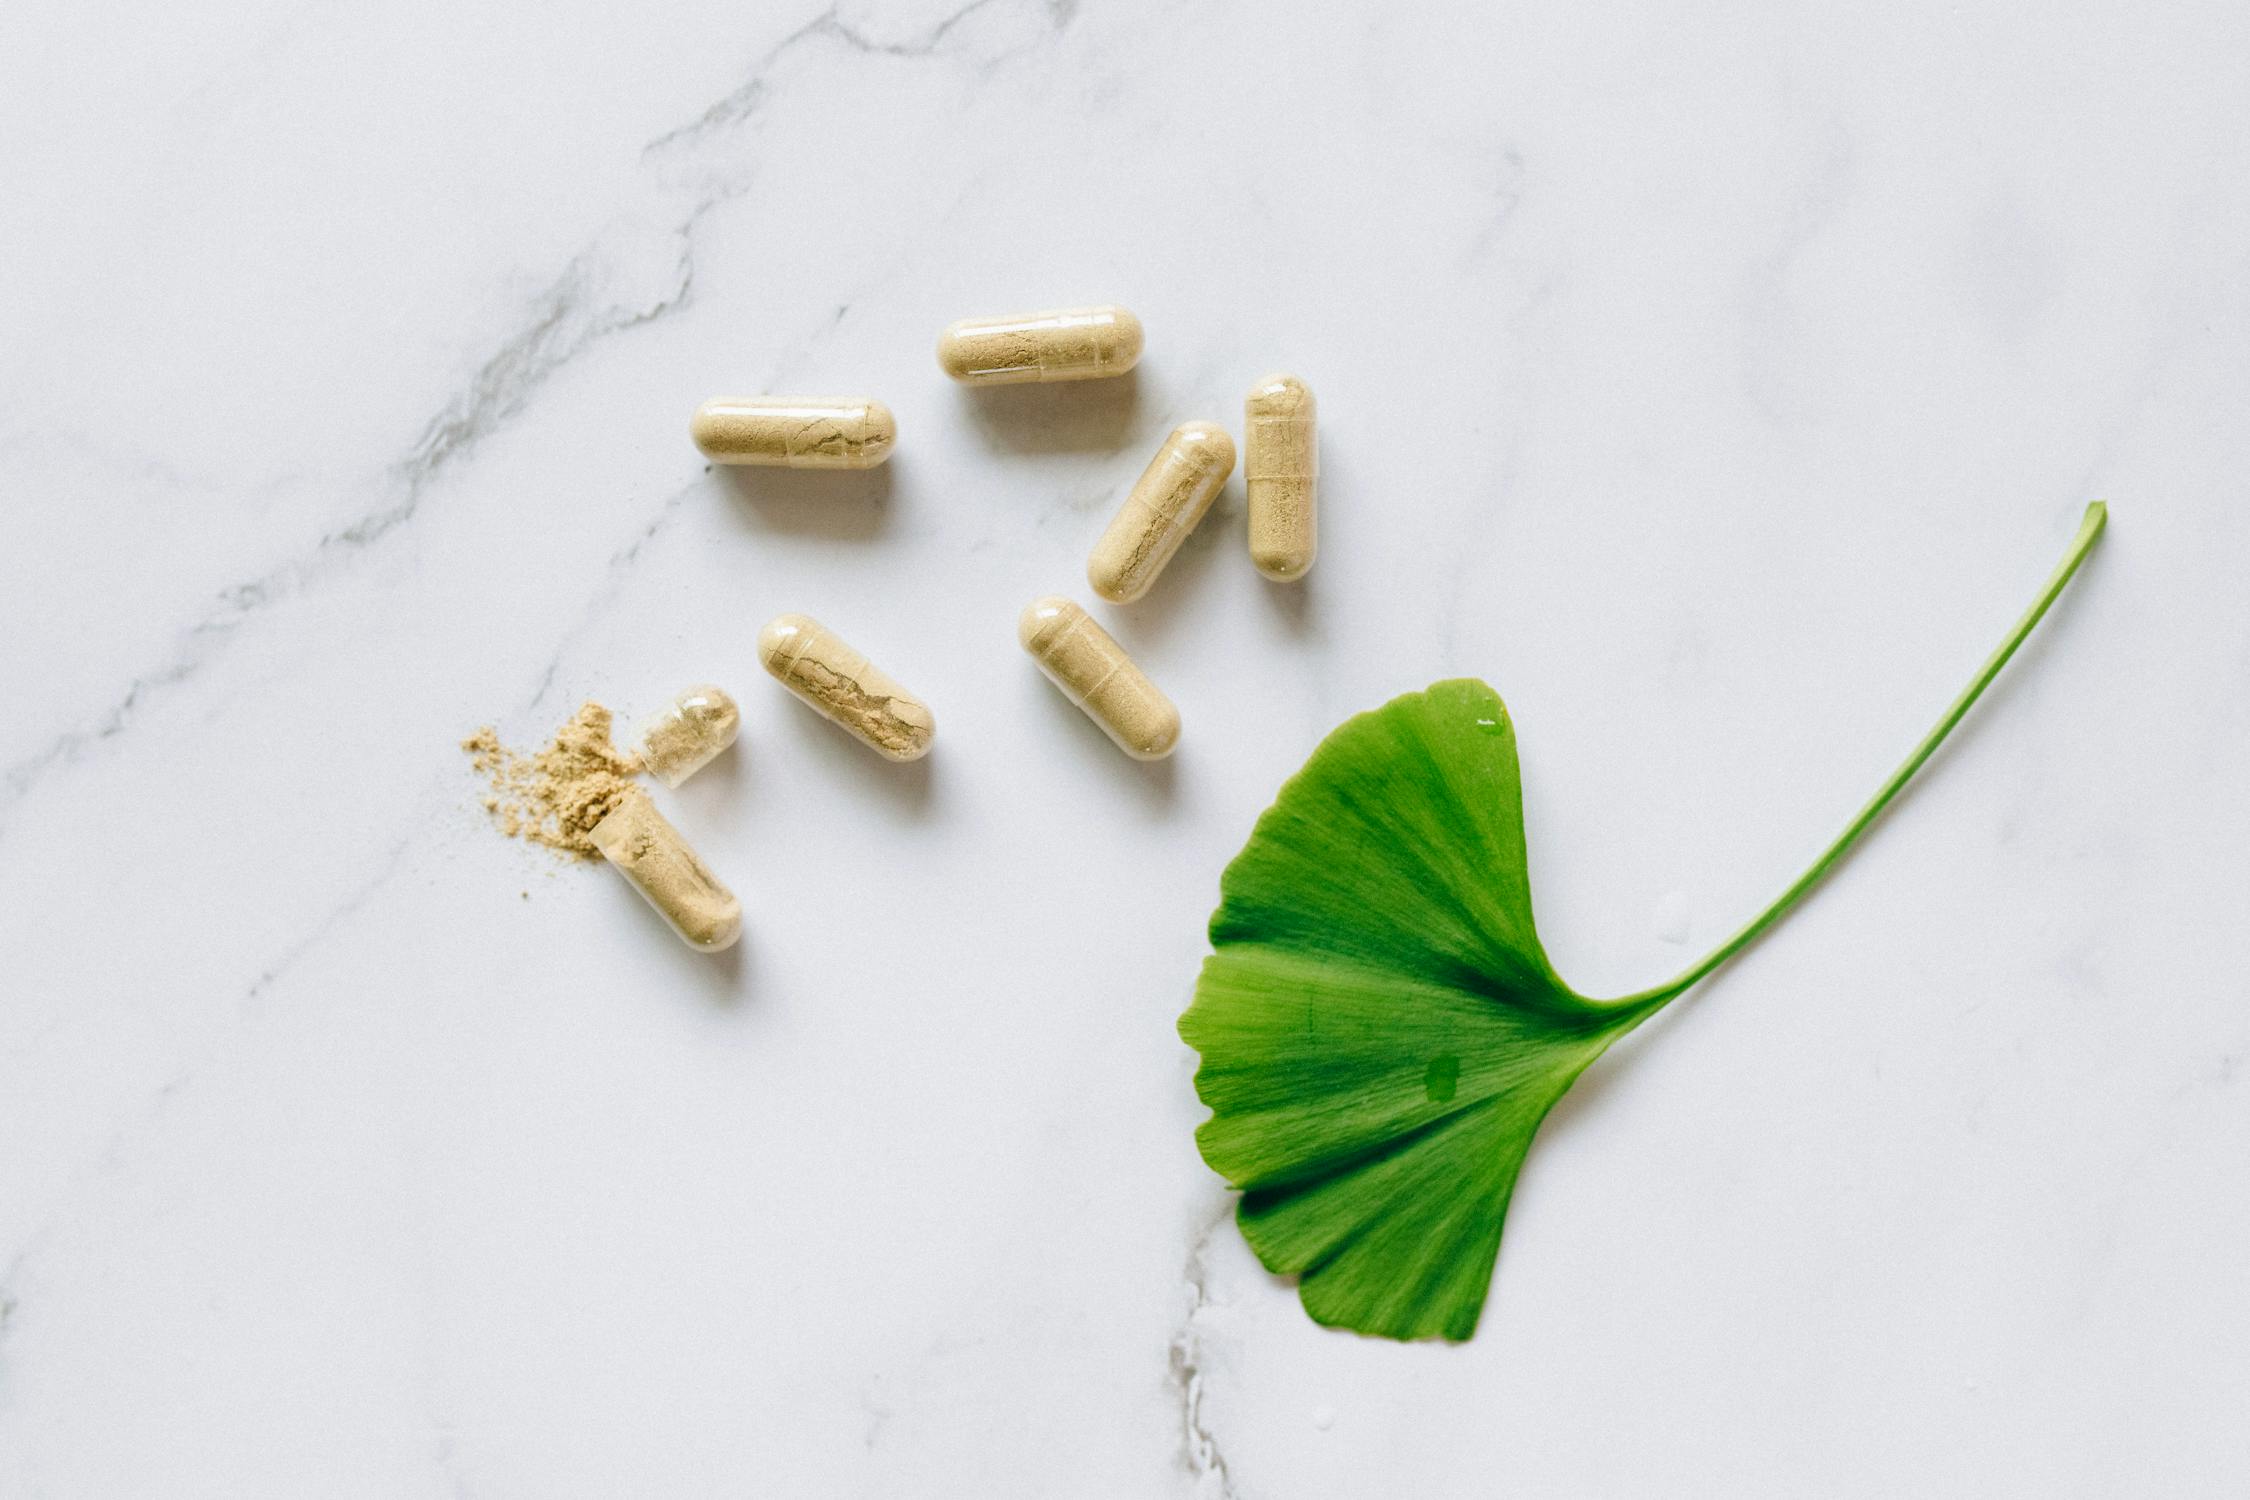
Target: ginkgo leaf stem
2090	528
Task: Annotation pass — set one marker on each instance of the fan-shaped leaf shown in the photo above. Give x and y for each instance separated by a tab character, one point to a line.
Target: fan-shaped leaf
1381	1031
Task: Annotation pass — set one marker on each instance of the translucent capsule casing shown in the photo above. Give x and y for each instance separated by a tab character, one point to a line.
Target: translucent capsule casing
1281	472
688	733
845	688
1072	343
1166	503
641	844
1094	672
795	432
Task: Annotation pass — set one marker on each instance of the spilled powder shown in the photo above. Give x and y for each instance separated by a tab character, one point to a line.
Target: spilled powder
555	796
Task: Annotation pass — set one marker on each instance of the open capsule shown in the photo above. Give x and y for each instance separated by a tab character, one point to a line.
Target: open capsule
685	735
641	844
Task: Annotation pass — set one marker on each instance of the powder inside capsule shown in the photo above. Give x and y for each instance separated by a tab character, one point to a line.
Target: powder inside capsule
556	796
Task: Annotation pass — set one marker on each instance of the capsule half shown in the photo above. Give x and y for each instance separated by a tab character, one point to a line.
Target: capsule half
1166	503
1072	343
795	432
641	844
845	688
688	733
1094	672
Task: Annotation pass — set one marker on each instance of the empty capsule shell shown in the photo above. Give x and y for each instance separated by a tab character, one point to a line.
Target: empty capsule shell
813	662
1094	672
1075	343
795	432
1166	503
644	847
1280	470
685	735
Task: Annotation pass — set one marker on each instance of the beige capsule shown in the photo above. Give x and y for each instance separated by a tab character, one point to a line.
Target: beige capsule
1072	343
795	432
1167	502
688	733
1281	473
813	662
1094	672
642	845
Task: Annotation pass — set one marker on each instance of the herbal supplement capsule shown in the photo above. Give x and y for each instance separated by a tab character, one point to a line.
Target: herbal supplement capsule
1094	672
1074	343
647	850
795	432
813	662
1166	503
1280	469
683	737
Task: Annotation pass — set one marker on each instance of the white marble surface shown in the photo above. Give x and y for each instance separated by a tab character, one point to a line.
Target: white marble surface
1718	383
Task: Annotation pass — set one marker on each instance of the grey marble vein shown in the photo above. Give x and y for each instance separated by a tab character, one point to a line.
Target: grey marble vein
579	310
1200	1455
116	1149
9	1304
620	566
1503	194
563	322
386	868
1813	208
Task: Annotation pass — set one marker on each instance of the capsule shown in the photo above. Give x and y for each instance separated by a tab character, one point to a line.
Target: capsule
644	847
1280	470
1074	343
1094	672
1166	503
685	735
813	662
795	432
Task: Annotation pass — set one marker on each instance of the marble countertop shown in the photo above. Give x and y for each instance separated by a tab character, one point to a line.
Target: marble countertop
1718	386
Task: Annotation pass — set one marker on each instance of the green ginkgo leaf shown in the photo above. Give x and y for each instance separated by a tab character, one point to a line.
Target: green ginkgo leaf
1381	1031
